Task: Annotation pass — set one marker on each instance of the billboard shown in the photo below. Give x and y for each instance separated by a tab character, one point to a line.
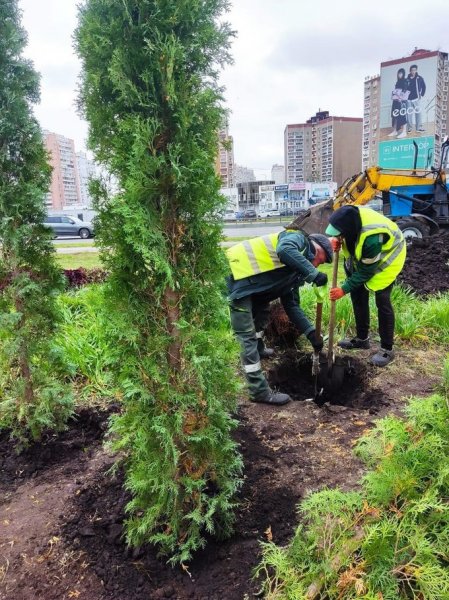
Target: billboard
407	112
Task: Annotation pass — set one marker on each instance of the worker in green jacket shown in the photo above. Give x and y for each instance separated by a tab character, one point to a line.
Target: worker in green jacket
374	250
265	269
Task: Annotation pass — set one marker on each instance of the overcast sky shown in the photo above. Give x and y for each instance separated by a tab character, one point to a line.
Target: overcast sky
292	58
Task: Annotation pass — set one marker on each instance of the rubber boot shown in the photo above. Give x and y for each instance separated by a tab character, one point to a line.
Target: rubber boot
382	358
270	397
354	344
263	351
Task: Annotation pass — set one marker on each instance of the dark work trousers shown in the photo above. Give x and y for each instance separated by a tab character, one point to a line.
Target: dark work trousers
360	303
248	318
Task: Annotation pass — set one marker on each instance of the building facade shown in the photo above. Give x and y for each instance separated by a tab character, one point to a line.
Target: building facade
278	174
225	159
86	170
325	148
248	193
243	174
371	111
64	189
406	111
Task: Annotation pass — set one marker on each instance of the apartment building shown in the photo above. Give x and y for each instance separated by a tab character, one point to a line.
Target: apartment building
224	165
243	174
325	148
278	174
64	189
86	170
406	107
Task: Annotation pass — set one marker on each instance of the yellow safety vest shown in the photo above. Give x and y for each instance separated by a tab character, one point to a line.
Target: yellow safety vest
254	256
393	253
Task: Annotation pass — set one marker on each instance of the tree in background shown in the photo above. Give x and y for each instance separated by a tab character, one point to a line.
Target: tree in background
150	95
30	397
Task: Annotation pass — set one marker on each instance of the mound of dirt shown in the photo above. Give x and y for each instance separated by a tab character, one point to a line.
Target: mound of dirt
426	269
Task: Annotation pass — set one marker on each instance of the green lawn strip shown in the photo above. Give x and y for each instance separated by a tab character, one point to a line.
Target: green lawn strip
87	260
75	244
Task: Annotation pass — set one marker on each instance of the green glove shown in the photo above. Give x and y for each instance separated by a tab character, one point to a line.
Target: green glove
320	293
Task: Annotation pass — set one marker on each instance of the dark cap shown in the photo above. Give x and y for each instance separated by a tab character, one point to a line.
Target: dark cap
325	244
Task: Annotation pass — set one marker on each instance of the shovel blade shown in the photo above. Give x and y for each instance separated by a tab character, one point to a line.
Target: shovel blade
331	379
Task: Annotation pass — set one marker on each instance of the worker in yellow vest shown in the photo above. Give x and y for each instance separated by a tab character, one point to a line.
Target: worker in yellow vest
375	251
265	269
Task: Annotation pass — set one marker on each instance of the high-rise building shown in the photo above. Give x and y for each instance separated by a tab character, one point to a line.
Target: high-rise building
86	170
278	174
371	111
64	189
406	111
243	174
325	148
225	158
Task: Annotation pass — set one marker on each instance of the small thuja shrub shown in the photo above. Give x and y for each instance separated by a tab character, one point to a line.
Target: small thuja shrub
149	93
31	397
388	541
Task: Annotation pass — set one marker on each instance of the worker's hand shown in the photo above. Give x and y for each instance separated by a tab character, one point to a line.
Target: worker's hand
320	279
336	293
335	243
317	343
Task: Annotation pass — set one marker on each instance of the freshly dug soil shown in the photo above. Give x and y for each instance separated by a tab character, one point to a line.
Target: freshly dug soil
426	269
62	510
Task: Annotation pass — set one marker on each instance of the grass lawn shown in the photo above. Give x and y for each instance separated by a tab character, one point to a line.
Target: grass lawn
88	260
75	244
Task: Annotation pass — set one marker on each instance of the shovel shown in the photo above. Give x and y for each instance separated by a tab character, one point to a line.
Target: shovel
319	293
332	375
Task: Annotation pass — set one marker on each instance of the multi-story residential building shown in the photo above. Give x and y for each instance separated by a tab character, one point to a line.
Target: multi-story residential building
278	174
225	158
86	170
406	107
243	174
64	189
371	112
325	148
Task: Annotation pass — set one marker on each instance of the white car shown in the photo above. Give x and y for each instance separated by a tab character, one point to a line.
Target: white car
264	214
229	215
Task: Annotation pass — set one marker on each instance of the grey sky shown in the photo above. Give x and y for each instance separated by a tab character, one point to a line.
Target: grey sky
292	58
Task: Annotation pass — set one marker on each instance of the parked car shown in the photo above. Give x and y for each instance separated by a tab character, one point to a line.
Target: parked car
249	213
264	214
286	212
229	215
69	225
239	215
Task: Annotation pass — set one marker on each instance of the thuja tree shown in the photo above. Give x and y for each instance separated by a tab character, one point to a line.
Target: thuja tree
30	398
149	93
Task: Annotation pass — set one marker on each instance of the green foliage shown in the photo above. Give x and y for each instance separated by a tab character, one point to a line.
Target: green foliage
30	396
150	95
390	540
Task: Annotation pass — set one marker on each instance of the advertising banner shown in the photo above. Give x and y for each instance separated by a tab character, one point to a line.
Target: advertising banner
400	154
281	188
407	110
297	186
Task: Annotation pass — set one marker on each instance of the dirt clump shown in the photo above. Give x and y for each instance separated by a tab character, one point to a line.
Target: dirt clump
426	269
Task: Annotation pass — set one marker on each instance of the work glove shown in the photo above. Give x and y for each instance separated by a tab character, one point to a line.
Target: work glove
317	343
335	243
336	293
320	279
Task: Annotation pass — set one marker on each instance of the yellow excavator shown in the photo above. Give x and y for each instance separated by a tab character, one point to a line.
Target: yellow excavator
417	199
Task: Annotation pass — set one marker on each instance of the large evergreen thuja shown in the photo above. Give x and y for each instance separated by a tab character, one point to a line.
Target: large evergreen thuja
149	93
30	397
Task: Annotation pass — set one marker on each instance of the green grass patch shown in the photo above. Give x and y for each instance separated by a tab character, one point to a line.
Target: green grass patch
88	260
390	539
78	244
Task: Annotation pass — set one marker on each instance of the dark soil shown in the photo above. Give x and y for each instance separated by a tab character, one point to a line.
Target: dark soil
62	511
426	269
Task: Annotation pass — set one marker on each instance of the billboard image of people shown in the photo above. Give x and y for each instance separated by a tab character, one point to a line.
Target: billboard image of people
407	112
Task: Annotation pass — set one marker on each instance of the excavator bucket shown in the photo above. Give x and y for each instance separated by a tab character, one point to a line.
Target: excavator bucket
316	218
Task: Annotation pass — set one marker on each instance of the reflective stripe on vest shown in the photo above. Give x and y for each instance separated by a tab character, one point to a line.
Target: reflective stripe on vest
257	255
393	252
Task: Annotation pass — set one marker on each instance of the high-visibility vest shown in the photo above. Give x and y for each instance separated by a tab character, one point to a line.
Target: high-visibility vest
393	253
254	256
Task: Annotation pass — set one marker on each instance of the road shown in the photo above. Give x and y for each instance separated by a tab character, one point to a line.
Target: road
234	230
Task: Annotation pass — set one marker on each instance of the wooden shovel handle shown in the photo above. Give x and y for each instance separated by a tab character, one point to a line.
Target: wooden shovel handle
330	353
318	319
